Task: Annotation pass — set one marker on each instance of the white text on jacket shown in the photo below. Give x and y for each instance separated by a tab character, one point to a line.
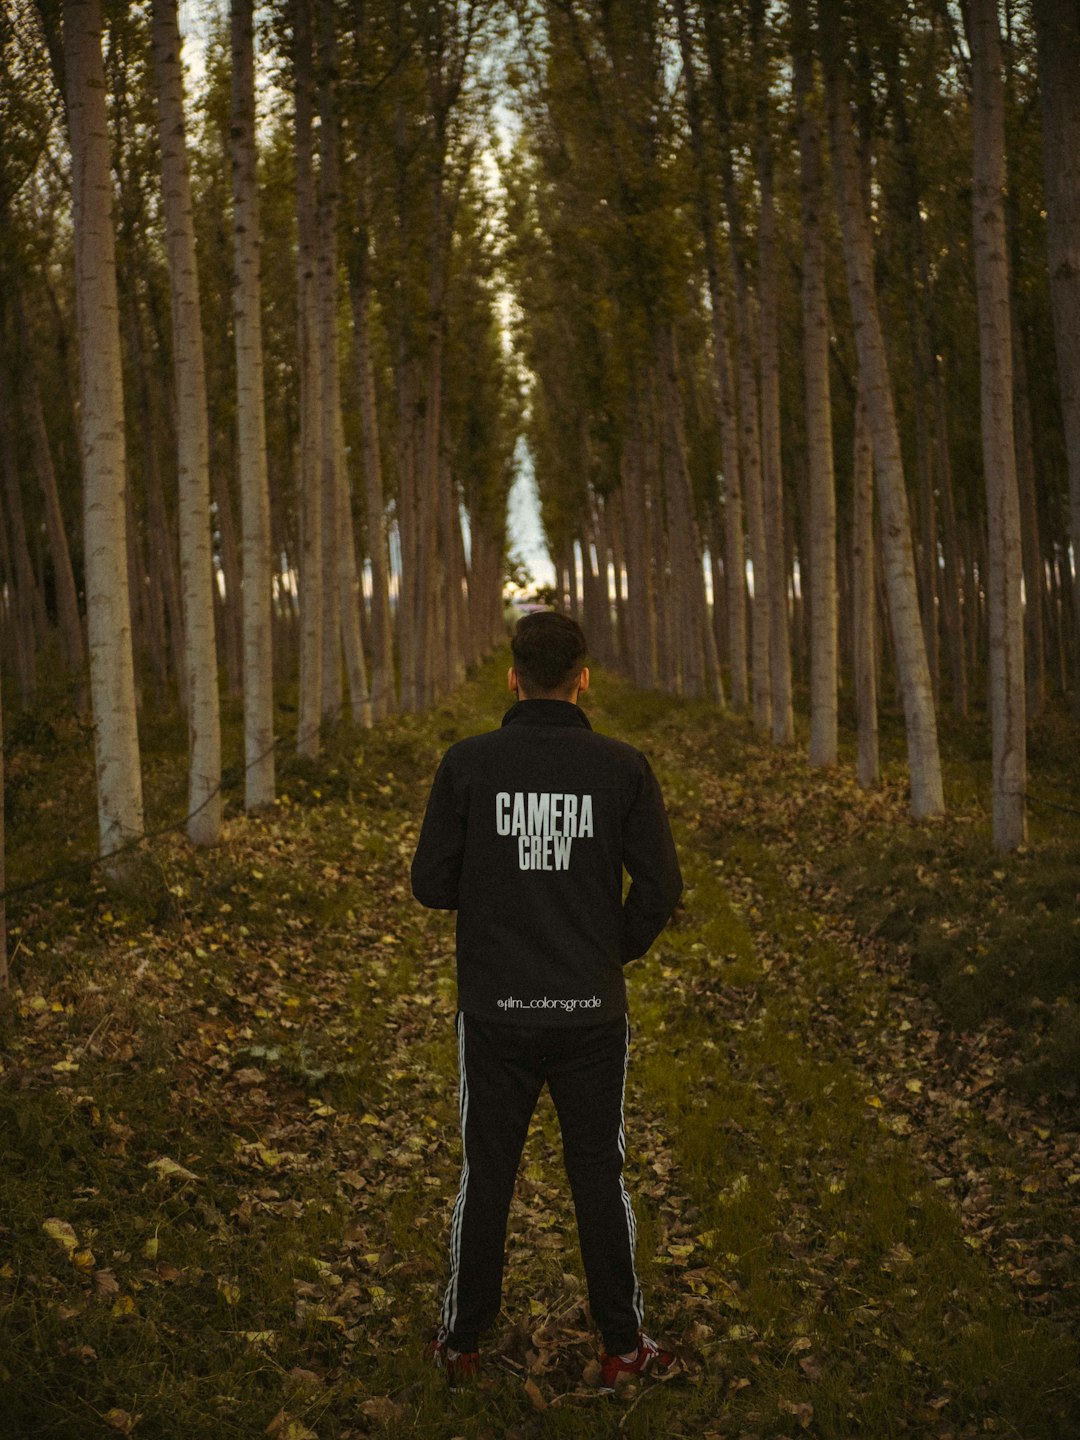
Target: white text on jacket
546	825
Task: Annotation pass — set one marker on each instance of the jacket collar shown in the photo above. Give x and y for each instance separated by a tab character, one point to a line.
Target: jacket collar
546	712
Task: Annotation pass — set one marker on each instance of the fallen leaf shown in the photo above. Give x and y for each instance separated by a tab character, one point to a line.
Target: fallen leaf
382	1408
105	1282
535	1394
165	1166
121	1420
62	1233
801	1409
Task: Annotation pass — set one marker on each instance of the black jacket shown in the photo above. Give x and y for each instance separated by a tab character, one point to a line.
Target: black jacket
526	834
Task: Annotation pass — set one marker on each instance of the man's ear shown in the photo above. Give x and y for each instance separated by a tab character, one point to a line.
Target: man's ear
512	680
583	680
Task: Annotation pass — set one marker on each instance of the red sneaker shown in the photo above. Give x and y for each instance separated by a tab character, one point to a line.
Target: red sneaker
651	1359
460	1365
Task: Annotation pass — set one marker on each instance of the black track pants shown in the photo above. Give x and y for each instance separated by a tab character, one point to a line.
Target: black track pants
503	1068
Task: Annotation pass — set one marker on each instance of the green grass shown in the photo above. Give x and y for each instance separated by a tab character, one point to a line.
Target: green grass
276	1017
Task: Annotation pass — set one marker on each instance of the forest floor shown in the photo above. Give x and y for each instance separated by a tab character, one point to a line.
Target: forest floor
228	1111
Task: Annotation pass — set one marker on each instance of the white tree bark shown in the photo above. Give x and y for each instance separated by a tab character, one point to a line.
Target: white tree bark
108	607
193	442
251	422
1005	566
909	645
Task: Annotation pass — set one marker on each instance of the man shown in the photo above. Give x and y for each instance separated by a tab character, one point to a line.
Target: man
526	834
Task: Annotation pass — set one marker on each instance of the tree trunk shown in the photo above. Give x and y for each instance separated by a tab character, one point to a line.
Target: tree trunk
864	595
350	599
1034	583
383	693
22	582
913	673
230	609
819	445
1058	30
108	605
735	552
251	421
333	540
750	458
67	600
1006	674
311	519
4	978
772	480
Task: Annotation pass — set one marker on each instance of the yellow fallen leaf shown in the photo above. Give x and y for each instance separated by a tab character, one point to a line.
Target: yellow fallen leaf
62	1233
83	1260
370	1119
228	1290
121	1420
150	1248
123	1305
874	1101
165	1166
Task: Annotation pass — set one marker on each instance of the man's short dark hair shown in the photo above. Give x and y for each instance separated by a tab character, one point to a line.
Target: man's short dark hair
549	652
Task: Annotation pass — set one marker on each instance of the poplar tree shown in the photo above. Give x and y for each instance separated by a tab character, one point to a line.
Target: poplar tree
108	606
251	420
192	439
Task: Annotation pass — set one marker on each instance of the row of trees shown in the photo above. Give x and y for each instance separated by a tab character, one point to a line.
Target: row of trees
253	339
760	264
772	261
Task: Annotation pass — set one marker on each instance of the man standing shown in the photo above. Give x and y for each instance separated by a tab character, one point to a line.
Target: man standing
526	834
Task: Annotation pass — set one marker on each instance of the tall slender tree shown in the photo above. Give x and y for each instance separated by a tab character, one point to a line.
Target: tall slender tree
913	672
1058	30
772	480
251	420
308	363
817	400
192	439
108	607
1005	567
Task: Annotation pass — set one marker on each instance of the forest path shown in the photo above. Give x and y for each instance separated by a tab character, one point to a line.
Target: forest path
245	1109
